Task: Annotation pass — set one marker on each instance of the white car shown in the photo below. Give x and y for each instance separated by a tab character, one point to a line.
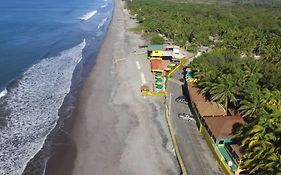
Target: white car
185	116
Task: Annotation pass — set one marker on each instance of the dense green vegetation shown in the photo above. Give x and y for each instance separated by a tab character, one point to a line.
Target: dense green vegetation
272	3
229	74
248	30
239	83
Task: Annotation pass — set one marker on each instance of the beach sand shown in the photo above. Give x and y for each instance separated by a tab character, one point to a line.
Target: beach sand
116	130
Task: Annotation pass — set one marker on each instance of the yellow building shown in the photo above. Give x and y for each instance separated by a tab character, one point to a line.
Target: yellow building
157	53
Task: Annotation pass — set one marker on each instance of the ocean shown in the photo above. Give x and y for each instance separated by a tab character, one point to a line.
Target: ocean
47	47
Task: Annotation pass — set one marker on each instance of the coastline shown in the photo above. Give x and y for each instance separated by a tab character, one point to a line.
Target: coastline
114	129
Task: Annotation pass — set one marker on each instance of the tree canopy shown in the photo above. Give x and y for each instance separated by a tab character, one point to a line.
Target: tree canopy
249	30
241	83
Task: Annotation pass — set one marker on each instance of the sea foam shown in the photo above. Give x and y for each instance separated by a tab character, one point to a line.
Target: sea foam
3	93
102	23
88	15
33	105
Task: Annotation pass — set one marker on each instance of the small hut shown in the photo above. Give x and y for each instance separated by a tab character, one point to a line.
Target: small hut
153	47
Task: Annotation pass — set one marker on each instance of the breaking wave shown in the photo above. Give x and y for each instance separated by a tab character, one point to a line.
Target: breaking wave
3	93
88	15
31	108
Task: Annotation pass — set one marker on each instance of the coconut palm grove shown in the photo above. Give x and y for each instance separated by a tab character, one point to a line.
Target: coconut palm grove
242	68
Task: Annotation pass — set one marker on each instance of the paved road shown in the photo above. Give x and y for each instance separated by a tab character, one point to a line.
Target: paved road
196	155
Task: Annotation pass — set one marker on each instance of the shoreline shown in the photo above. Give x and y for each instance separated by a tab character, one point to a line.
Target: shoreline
114	129
62	160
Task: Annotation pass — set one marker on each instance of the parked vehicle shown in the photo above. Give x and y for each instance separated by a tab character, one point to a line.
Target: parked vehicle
185	116
182	80
181	99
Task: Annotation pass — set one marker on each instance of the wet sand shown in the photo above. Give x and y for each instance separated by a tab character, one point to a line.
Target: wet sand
116	130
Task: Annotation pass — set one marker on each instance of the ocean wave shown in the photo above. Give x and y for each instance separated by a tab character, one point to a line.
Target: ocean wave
88	15
103	6
3	93
102	23
32	106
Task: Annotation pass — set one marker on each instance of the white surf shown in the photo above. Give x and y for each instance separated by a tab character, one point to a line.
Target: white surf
33	106
88	15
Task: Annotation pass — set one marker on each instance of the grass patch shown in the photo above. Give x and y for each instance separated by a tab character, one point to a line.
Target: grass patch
137	29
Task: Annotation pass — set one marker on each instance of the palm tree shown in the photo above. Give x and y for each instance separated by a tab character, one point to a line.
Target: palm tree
252	105
272	99
262	144
207	82
225	91
251	69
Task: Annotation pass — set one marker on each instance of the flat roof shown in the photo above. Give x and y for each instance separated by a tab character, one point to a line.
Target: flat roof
154	47
178	56
157	65
167	53
172	46
176	50
204	107
223	127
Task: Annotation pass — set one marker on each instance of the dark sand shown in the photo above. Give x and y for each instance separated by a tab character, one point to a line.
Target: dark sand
116	130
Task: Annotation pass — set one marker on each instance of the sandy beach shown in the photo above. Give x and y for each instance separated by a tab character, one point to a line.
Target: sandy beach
117	131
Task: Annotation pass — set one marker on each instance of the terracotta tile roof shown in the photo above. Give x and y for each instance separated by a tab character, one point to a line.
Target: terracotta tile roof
223	127
204	107
157	65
